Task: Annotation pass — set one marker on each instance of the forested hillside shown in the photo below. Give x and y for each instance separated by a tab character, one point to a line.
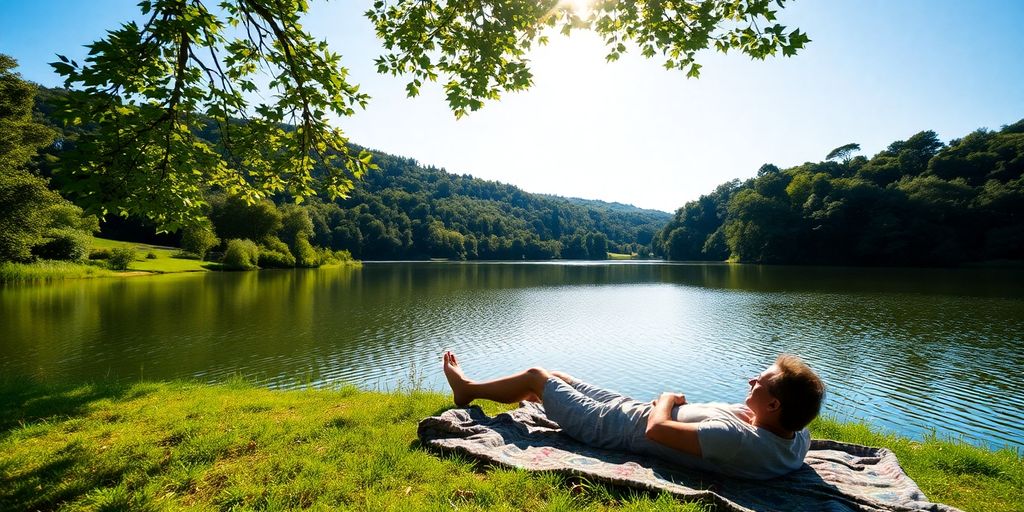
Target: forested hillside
918	202
404	210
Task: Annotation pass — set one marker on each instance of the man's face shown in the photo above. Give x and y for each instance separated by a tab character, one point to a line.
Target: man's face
759	399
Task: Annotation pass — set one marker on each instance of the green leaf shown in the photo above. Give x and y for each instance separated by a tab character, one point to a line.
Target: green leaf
156	85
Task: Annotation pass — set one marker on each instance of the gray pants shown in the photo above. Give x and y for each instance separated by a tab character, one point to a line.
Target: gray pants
595	416
605	419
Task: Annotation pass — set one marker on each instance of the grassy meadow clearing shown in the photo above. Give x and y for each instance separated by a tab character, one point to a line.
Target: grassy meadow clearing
164	260
149	259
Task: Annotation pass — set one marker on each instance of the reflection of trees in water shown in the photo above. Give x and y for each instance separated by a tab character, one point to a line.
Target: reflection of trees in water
163	326
32	337
889	342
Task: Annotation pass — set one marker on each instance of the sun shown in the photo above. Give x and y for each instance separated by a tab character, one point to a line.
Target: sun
581	8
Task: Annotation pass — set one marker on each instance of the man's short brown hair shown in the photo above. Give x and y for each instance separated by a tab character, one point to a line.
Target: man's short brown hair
799	391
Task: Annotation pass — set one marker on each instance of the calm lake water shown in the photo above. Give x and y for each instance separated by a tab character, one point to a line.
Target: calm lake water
908	350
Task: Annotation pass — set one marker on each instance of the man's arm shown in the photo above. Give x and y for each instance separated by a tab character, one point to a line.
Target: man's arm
662	429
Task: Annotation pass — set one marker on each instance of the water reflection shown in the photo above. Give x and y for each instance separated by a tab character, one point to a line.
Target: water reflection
906	349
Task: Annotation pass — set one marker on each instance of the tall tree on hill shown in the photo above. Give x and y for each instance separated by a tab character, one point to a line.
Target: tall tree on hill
150	89
843	152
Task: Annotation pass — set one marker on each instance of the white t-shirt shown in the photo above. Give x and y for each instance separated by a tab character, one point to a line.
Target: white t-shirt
735	447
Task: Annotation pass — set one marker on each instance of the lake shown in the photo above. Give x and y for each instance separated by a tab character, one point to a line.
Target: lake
908	350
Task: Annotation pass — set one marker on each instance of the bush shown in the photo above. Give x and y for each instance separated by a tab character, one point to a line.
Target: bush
150	255
99	254
275	254
275	259
305	254
274	244
344	256
64	244
198	239
329	257
241	255
121	258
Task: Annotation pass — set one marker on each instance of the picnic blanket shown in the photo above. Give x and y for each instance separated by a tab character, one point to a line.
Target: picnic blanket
835	476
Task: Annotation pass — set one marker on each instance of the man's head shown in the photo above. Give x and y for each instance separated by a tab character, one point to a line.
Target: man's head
789	391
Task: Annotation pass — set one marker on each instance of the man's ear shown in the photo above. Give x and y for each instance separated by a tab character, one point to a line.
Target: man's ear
774	405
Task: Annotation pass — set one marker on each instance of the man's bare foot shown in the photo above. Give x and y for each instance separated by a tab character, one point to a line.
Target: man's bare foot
456	380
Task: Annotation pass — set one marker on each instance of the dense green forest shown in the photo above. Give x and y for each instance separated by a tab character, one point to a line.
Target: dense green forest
402	210
405	210
918	202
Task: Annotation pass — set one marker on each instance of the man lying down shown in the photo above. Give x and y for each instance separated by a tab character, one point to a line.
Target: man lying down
763	438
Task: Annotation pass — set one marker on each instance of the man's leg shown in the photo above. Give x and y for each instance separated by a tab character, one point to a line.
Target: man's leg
595	392
526	385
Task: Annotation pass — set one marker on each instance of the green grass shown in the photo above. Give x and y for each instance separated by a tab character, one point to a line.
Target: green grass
168	446
947	470
166	260
187	445
47	270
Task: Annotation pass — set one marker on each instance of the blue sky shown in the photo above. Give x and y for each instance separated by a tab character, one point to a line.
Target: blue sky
875	71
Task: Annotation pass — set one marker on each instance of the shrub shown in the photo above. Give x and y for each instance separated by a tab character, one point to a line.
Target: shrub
275	259
241	255
99	254
274	244
198	239
121	258
275	254
64	244
305	254
344	256
150	255
329	257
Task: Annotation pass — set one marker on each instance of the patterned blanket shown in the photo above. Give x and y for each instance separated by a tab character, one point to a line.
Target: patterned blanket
835	476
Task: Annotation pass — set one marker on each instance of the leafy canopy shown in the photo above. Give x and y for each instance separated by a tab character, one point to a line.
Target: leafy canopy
34	220
148	92
481	47
843	152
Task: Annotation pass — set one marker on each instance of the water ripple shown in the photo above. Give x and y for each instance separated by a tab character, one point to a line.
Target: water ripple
912	351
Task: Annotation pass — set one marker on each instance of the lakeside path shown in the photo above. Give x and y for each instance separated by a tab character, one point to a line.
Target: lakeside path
174	445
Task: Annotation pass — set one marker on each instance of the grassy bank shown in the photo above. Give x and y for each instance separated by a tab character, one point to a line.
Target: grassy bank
149	259
47	270
187	445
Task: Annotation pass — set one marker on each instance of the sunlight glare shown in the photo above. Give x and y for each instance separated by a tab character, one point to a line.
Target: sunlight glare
581	8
